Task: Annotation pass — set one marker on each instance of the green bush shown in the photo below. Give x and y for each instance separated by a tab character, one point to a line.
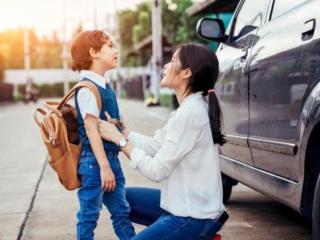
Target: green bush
18	97
47	90
22	87
51	90
166	100
123	94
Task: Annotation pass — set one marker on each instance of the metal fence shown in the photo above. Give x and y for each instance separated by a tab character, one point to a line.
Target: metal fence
134	87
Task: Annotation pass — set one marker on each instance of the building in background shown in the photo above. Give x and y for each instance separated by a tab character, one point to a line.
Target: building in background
145	45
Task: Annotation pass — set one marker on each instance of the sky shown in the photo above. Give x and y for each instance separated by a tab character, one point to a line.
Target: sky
46	16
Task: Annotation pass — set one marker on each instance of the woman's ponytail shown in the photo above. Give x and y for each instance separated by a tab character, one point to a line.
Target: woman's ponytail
215	118
204	66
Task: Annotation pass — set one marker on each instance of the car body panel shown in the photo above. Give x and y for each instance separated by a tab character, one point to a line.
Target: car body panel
268	114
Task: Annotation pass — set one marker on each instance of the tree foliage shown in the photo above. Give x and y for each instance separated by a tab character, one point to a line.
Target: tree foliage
44	52
177	26
135	25
142	28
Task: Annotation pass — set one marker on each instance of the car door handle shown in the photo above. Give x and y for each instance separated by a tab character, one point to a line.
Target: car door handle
241	60
309	29
244	54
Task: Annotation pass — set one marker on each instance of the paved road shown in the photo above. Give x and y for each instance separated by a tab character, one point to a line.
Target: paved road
34	205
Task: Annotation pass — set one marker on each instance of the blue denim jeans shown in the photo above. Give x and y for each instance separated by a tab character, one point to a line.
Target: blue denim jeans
91	197
145	210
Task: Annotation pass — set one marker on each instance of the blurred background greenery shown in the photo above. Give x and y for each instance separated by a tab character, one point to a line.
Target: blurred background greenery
135	31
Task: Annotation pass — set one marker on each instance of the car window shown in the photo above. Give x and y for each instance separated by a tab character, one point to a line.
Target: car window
251	16
282	6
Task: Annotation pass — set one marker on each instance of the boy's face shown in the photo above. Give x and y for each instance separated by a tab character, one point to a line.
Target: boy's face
108	55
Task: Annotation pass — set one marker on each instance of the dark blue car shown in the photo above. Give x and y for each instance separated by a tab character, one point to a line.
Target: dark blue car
269	89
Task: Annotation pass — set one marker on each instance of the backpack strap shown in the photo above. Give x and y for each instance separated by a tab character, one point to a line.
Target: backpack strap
93	88
35	116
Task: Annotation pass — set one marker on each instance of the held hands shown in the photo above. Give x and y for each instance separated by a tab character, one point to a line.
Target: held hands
119	123
109	131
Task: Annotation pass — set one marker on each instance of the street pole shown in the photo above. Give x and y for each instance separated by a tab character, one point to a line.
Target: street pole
118	45
156	60
27	63
65	52
95	24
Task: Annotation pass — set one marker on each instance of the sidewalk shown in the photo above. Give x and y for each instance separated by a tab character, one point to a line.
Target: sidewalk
32	201
21	161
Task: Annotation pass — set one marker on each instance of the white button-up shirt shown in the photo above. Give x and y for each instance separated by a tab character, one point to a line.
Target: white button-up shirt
183	157
86	99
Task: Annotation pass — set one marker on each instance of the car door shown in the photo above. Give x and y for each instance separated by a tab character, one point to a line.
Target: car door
277	86
232	84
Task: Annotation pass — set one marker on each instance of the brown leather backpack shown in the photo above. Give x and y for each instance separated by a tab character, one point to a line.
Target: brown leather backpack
60	134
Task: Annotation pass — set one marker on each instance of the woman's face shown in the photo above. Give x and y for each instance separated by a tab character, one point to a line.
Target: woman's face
171	72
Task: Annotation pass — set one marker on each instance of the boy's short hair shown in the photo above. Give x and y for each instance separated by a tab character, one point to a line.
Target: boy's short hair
81	44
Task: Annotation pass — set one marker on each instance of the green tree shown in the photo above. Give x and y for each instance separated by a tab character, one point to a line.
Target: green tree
177	27
127	20
134	26
12	42
44	52
142	28
139	32
47	53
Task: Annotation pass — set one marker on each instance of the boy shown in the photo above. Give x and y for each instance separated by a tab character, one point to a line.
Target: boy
102	180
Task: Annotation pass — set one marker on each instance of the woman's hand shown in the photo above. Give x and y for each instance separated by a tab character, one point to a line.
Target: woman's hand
119	123
109	132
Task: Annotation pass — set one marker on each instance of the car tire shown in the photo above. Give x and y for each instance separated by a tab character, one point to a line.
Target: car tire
316	212
227	184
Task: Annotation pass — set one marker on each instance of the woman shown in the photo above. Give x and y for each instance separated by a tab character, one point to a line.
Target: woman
183	155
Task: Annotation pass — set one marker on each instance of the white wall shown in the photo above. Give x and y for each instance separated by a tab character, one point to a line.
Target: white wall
40	76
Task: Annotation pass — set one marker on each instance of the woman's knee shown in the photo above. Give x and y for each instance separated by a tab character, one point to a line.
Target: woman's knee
139	195
144	205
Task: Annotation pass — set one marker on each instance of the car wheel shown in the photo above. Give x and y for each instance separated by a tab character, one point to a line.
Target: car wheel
227	184
316	212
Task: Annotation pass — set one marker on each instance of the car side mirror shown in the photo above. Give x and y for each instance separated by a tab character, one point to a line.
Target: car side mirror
212	29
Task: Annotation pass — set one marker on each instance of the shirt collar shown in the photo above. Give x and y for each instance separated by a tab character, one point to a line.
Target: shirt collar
191	98
96	78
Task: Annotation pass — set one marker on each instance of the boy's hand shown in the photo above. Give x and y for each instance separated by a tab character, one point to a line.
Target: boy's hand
119	123
108	181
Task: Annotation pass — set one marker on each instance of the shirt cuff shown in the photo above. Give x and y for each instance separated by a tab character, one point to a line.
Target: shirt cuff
129	137
93	113
136	157
132	137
